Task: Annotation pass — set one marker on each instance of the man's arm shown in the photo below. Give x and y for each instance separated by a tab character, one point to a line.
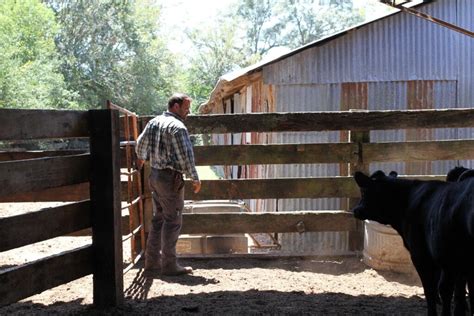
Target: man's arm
142	148
184	152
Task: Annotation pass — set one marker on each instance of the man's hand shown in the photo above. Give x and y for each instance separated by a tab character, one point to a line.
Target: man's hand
196	186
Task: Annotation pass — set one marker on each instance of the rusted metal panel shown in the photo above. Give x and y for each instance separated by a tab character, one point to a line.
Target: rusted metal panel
419	96
402	62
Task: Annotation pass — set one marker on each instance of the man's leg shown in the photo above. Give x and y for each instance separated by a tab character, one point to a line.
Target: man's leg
153	245
171	198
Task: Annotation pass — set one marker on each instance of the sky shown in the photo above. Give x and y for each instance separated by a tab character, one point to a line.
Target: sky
179	14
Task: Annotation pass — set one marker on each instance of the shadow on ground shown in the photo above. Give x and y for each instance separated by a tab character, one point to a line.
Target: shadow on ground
240	303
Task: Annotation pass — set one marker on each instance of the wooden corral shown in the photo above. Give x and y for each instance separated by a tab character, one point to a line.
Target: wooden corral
357	154
29	175
98	171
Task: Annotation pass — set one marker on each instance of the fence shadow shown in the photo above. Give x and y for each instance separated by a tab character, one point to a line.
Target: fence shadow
333	266
251	302
143	280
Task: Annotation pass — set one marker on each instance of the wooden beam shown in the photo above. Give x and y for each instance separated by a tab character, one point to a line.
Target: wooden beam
281	222
264	256
105	194
69	193
43	173
327	121
274	154
282	188
419	151
88	231
31	124
44	224
38	276
22	155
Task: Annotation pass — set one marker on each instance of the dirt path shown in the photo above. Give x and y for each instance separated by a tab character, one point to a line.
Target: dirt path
342	286
243	287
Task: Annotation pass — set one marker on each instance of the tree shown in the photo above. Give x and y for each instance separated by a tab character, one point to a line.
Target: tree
29	65
262	26
215	54
307	21
111	50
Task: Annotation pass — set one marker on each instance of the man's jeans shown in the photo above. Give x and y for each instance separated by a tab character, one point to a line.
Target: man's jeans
167	187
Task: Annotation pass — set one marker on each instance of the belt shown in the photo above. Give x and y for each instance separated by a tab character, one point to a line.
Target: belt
168	170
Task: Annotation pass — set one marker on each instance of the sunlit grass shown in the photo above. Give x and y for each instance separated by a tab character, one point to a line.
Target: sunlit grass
206	173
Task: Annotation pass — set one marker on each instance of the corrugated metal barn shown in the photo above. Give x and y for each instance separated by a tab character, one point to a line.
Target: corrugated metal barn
399	61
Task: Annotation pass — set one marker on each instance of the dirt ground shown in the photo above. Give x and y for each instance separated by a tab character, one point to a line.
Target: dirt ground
287	286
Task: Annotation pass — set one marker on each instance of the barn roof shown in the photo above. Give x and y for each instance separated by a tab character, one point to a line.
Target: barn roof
233	81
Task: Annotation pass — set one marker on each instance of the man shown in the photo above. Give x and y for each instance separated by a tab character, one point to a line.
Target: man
165	143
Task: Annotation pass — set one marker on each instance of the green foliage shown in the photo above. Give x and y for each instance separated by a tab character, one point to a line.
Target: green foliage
262	26
215	53
292	23
29	64
243	36
110	50
77	54
307	21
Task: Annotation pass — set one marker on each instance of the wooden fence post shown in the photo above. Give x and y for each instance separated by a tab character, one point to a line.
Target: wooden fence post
356	238
106	208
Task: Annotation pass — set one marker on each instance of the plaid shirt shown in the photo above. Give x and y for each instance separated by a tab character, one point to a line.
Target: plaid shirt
165	142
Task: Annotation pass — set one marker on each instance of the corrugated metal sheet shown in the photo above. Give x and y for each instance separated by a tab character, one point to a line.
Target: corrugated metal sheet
465	91
388	55
400	47
404	62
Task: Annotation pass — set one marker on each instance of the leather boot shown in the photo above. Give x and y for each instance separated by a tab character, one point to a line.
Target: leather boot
171	267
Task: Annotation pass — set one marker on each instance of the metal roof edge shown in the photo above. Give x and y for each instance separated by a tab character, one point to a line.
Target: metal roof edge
227	78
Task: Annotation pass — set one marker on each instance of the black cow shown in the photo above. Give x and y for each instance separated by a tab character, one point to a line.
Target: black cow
454	175
436	222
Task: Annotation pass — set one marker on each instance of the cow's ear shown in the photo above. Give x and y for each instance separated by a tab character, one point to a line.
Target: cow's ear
377	175
393	174
362	180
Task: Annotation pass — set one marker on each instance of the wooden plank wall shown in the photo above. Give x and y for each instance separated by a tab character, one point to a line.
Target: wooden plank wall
36	173
29	175
359	152
103	258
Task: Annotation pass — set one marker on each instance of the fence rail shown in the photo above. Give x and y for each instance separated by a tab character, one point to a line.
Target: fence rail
327	121
283	222
38	276
43	173
32	175
54	222
42	124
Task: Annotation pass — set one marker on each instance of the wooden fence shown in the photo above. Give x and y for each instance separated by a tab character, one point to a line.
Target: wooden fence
358	153
52	176
71	176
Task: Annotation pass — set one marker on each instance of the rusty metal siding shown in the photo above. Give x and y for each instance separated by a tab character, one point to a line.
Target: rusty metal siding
405	62
387	96
297	98
399	47
465	90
